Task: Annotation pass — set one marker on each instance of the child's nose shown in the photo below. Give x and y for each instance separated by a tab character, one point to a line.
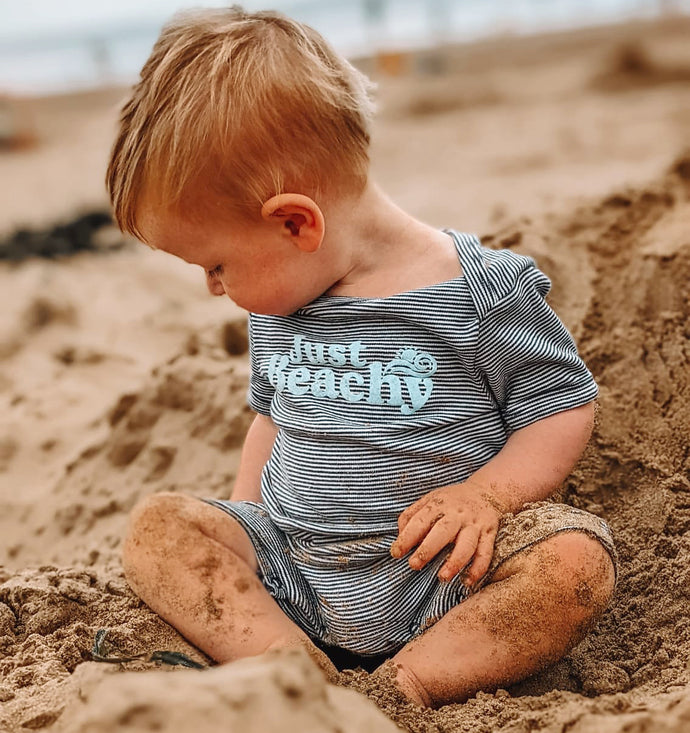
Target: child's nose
214	285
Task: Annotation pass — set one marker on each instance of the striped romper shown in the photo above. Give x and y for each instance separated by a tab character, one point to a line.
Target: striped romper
379	401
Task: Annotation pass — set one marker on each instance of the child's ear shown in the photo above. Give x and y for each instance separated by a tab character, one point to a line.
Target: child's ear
299	218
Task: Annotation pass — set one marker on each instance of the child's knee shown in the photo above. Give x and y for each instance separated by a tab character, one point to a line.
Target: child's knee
167	528
150	528
580	568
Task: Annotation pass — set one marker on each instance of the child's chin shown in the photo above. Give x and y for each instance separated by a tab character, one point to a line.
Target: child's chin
270	308
266	309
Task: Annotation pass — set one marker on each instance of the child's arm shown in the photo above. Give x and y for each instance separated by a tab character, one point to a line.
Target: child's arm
531	465
255	453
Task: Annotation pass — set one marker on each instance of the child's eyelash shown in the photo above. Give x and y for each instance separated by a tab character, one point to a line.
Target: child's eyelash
217	270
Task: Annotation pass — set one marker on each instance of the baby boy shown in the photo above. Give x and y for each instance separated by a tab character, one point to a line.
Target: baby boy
416	399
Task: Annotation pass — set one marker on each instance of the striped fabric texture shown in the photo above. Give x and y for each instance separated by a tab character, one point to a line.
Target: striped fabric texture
379	401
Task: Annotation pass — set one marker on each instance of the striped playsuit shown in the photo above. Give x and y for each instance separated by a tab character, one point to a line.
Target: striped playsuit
379	401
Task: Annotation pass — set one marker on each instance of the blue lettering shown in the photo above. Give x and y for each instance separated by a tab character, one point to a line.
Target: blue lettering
355	350
275	371
377	381
418	397
336	354
324	384
346	386
378	384
314	352
296	353
296	379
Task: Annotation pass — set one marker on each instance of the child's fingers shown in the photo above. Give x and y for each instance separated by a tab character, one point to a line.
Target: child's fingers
413	533
441	534
482	558
411	510
465	547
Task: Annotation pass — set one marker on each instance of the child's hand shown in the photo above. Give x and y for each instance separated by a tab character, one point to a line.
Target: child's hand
462	515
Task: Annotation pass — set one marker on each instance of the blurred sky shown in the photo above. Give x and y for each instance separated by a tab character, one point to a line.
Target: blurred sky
32	17
51	45
36	17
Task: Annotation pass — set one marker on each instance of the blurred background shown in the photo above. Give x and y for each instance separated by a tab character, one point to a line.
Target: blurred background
49	47
64	68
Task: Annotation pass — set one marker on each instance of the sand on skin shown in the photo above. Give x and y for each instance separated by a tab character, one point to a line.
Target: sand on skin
554	149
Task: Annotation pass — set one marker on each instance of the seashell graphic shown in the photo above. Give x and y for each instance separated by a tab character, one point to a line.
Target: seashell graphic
412	363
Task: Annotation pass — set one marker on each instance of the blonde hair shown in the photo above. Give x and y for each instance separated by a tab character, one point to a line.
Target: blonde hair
241	106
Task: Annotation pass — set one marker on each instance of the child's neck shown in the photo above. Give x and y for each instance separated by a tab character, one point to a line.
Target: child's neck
389	251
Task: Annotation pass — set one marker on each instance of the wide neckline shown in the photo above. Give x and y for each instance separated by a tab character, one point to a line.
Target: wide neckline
323	299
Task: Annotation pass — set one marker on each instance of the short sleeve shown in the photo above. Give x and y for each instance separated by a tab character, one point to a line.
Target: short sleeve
527	356
260	392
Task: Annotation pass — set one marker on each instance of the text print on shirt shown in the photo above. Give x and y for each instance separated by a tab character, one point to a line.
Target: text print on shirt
403	382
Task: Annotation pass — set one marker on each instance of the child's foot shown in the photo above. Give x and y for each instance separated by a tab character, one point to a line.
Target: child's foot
405	681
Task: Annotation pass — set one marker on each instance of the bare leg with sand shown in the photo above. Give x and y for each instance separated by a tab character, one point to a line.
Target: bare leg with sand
196	568
538	605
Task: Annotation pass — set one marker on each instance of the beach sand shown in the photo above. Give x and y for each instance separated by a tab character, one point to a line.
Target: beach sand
120	376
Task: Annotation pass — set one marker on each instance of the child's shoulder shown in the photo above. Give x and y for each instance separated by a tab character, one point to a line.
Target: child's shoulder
494	275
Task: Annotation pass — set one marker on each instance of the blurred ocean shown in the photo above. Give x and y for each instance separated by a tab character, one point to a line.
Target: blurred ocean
40	53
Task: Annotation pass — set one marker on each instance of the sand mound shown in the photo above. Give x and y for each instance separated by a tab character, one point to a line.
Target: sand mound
48	621
182	431
632	66
273	693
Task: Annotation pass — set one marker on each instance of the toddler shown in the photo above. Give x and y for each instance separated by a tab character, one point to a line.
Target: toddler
416	399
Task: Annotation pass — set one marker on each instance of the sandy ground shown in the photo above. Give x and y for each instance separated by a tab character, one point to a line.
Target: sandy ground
120	377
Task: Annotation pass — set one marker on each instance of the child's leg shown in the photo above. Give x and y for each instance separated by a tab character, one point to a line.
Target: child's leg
196	567
538	605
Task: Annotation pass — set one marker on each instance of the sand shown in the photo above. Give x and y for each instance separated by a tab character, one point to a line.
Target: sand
120	377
